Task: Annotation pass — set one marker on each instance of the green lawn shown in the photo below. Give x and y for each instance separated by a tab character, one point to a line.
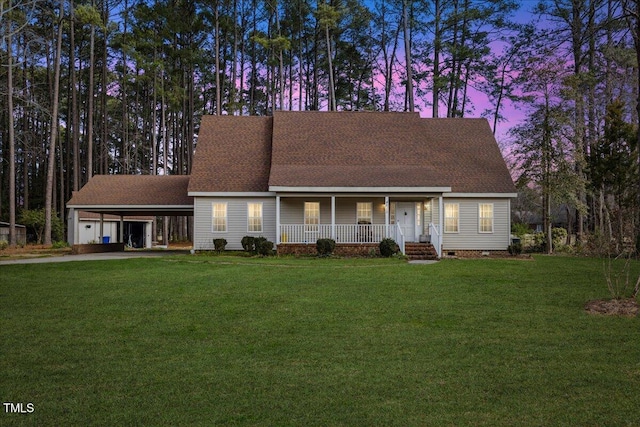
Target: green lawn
197	340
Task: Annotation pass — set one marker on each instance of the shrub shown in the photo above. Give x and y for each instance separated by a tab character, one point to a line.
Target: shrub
34	219
248	243
219	244
325	247
257	242
60	244
265	247
3	245
539	242
388	247
558	234
519	229
515	249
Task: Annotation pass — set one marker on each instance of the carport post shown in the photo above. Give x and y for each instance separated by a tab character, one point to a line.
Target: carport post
101	226
121	237
73	234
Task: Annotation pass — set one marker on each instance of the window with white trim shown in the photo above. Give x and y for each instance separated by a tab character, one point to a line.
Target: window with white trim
219	217
254	217
451	217
485	217
364	213
428	209
311	216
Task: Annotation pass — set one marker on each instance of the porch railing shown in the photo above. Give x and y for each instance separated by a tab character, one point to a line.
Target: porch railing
436	238
350	233
341	233
399	237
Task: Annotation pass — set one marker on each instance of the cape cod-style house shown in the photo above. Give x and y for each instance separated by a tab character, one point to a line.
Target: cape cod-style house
355	177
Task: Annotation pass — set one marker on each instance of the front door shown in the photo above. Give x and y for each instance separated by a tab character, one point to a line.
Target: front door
406	218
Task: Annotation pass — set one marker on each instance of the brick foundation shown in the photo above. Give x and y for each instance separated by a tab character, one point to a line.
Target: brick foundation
474	254
97	248
342	249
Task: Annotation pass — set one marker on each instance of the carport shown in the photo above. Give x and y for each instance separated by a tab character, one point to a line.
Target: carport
134	195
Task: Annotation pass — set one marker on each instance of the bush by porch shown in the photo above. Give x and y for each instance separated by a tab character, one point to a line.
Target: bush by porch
341	249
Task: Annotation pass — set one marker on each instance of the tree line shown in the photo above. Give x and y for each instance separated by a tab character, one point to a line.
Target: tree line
118	87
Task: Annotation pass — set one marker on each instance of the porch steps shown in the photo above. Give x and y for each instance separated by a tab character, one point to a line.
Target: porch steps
420	251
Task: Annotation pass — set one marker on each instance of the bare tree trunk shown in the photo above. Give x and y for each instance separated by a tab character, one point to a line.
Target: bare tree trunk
48	206
242	59
217	61
389	60
90	102
332	88
104	153
280	62
75	118
437	46
636	38
124	154
165	157
407	54
233	104
11	142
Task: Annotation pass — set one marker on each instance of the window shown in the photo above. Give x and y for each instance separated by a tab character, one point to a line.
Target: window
219	217
364	213
451	217
485	217
311	216
428	217
254	217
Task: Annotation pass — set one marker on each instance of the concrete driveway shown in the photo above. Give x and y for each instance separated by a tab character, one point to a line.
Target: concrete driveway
95	257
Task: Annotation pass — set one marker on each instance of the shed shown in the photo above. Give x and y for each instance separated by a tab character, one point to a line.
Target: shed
21	233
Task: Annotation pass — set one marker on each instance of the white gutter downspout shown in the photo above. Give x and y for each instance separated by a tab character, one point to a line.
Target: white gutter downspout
278	233
440	225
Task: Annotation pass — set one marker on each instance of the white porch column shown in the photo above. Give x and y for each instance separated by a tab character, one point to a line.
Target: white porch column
333	217
121	237
440	224
278	233
386	216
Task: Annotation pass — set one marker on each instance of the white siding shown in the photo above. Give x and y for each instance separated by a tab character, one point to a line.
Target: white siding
91	234
292	212
292	209
469	236
346	212
237	221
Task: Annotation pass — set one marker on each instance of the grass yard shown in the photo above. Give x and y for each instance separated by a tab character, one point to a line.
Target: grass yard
197	340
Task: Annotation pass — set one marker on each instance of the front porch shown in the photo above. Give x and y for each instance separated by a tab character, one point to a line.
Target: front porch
353	220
